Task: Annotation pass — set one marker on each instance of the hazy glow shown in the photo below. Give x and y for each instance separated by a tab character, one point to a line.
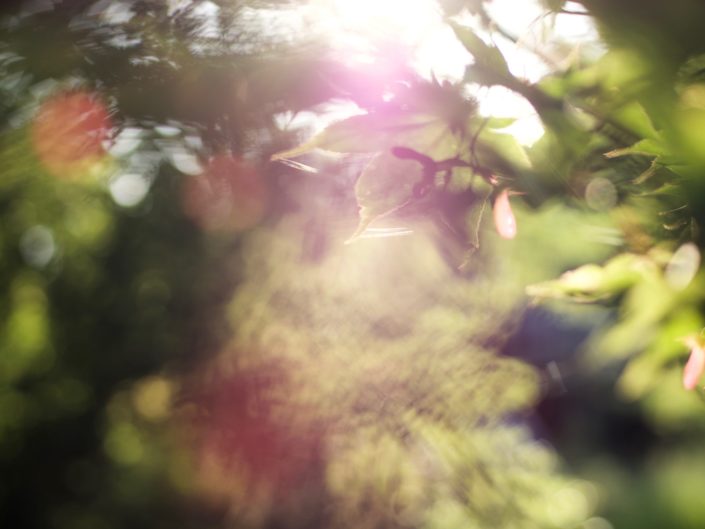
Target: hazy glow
404	21
230	195
417	29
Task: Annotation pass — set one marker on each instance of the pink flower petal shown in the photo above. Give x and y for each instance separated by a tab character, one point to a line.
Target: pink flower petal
695	366
504	219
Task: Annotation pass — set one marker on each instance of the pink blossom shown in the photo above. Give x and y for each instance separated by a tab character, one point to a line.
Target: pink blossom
696	364
504	219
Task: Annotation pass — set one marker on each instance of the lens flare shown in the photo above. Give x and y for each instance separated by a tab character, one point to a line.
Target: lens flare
230	195
249	445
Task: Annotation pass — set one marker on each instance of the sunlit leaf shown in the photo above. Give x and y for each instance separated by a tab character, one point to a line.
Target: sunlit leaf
499	152
487	57
385	185
376	132
553	5
499	123
592	282
634	117
644	372
646	147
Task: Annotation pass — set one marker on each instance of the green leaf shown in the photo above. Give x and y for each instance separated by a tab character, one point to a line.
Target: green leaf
482	75
633	117
501	153
487	57
499	123
646	370
554	5
385	185
377	132
363	133
592	282
646	147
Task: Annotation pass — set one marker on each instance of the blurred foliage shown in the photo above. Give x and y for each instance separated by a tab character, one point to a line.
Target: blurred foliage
373	351
213	316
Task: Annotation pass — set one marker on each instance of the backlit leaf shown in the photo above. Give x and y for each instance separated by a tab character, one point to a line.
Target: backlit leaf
646	147
488	57
385	185
376	132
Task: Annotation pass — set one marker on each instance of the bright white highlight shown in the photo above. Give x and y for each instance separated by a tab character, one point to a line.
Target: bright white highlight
417	30
37	246
402	19
128	190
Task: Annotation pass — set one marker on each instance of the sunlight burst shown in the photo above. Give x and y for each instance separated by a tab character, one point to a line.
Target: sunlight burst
398	19
415	30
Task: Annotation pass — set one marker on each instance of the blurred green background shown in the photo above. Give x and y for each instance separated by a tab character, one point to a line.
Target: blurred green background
186	339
